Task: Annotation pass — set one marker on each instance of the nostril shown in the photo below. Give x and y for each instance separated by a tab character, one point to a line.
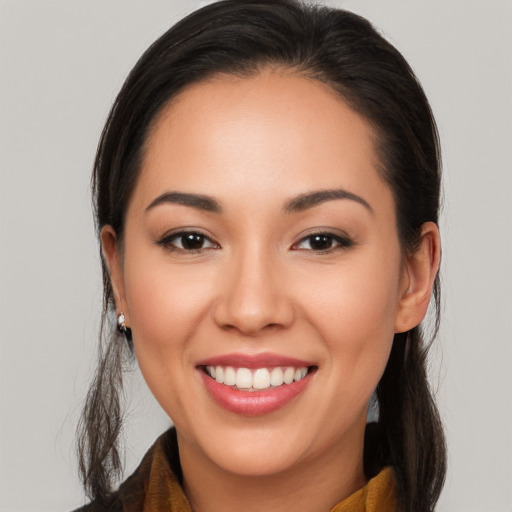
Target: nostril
251	330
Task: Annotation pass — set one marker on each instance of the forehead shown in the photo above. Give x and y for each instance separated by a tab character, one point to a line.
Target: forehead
276	131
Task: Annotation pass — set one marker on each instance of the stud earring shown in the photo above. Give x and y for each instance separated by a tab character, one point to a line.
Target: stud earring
121	325
124	330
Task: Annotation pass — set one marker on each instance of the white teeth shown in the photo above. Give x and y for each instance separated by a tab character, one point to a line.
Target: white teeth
276	377
288	375
261	379
229	376
243	378
258	379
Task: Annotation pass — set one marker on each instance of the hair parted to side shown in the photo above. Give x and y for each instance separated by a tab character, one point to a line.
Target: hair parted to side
344	51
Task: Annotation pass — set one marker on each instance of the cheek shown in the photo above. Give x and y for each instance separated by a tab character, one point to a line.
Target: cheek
354	309
166	307
165	304
358	298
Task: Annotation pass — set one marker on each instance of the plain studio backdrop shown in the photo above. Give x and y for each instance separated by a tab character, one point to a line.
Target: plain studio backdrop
61	65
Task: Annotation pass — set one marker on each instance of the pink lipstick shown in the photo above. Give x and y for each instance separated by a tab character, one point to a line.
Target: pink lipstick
253	385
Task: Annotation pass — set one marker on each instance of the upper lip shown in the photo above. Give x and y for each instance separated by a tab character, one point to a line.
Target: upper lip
252	361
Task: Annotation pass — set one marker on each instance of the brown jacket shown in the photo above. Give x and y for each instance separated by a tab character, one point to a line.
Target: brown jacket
155	486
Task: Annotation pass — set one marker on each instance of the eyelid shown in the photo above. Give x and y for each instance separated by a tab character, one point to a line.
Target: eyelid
167	239
343	240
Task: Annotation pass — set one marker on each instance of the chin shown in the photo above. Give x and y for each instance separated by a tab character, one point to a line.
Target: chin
248	447
257	459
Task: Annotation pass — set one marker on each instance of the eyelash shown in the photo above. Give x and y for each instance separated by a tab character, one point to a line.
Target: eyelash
342	242
168	242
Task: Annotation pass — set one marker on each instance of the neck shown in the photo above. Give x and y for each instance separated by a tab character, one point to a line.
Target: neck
318	483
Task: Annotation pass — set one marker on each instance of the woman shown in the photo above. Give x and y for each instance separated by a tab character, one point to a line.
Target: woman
267	194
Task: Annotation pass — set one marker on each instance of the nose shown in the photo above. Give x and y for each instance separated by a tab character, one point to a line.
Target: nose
253	295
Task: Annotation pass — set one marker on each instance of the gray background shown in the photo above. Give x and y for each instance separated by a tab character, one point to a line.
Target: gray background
61	64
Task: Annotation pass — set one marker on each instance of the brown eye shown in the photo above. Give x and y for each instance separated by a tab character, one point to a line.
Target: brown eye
192	241
323	242
187	241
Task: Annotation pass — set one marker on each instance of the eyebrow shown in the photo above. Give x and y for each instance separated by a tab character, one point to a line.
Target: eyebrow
296	204
199	201
311	199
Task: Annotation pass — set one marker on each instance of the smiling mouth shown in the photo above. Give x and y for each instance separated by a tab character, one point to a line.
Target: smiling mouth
257	379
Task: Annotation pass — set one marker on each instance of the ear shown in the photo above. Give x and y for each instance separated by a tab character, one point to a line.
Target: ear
113	258
420	271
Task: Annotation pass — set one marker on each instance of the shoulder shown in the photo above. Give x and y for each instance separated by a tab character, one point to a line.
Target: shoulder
132	491
112	504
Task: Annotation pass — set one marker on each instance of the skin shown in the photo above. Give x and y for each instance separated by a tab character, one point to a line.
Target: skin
253	144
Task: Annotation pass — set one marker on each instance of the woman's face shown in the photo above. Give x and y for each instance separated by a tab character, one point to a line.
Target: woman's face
260	246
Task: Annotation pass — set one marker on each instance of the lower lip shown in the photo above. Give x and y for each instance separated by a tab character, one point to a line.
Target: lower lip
254	403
